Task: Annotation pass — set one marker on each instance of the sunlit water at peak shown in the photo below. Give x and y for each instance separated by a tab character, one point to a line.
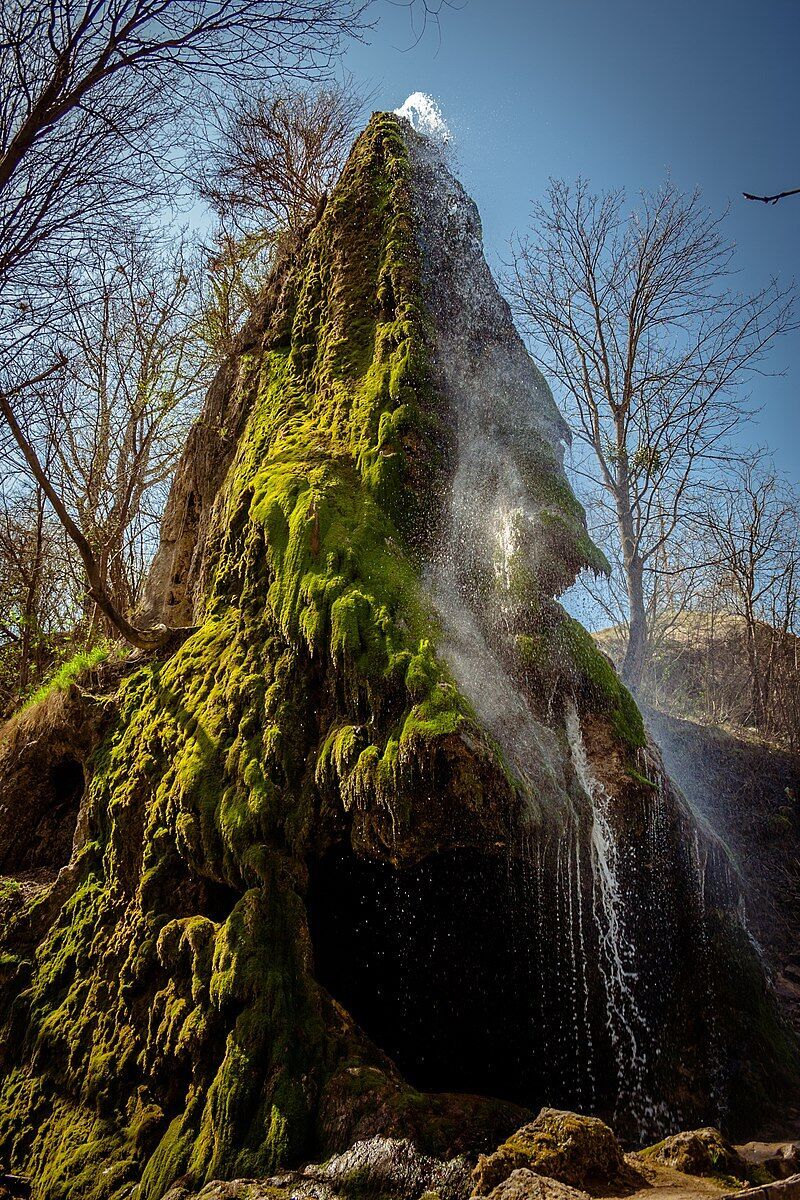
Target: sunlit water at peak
425	115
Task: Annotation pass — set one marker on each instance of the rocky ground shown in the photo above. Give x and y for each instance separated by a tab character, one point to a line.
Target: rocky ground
558	1156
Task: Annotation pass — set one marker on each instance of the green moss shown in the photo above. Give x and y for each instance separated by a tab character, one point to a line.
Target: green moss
605	684
72	670
641	779
566	652
172	1023
562	517
10	890
184	1042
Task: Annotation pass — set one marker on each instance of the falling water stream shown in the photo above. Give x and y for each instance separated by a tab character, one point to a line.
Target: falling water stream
507	425
631	1037
576	871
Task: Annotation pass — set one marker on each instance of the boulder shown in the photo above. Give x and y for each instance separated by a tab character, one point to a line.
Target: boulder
698	1152
390	1166
226	1189
236	1189
380	1167
524	1184
781	1189
778	1160
580	1151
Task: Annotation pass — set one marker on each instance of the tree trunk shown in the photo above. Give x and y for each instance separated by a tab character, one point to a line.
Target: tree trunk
31	606
636	653
144	639
635	660
756	688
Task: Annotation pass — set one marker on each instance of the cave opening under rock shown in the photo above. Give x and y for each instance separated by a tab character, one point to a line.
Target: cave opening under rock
50	842
441	964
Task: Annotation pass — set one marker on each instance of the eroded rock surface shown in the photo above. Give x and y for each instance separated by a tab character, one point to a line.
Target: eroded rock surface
379	1167
576	1150
781	1189
698	1152
524	1184
778	1159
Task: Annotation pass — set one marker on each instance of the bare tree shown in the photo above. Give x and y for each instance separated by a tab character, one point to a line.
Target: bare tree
632	313
94	94
237	268
728	651
118	417
94	98
751	527
274	157
36	599
279	152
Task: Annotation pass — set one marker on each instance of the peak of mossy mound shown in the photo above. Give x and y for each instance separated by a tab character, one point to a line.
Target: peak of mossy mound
331	378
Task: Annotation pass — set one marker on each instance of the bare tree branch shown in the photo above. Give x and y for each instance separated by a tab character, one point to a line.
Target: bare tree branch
143	639
632	313
772	199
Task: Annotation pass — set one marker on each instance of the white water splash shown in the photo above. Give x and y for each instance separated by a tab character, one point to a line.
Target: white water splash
531	748
505	414
423	114
508	476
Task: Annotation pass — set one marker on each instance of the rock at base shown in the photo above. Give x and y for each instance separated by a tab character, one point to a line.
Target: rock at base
390	1166
379	1167
781	1189
698	1152
524	1184
777	1159
579	1151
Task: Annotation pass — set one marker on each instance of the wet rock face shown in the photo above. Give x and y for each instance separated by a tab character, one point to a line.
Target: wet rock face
625	921
748	791
576	1150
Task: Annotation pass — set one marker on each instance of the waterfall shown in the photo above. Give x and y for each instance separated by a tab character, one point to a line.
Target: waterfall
594	902
509	431
508	427
630	1034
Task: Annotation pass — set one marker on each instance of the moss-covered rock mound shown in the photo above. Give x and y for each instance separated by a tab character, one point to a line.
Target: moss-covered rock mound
577	1150
297	845
698	1152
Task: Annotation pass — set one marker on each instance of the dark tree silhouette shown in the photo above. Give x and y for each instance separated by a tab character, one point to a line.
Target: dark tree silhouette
772	199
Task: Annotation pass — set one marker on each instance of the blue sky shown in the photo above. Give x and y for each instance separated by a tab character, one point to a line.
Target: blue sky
622	92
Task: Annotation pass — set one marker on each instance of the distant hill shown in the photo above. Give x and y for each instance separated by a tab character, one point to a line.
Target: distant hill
703	668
